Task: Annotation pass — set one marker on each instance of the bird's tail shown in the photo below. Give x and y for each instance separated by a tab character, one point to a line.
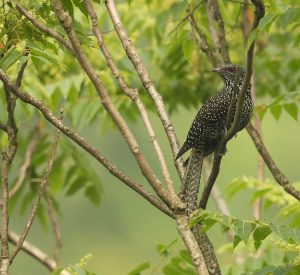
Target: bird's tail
191	179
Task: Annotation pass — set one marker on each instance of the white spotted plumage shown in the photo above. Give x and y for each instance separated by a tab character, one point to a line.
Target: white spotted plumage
210	122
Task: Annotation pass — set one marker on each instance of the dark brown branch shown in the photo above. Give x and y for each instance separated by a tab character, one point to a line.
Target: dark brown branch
83	144
38	198
277	174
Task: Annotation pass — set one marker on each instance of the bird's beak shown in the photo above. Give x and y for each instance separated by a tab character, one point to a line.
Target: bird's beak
215	70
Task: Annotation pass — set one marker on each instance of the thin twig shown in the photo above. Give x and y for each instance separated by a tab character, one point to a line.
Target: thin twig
201	40
36	253
55	227
132	94
26	97
33	251
38	198
146	81
277	174
217	29
190	13
111	109
223	208
28	157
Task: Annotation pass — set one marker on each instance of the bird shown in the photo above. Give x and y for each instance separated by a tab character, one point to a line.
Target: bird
208	128
209	125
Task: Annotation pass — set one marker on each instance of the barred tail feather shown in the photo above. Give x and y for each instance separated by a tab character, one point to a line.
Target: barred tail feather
191	180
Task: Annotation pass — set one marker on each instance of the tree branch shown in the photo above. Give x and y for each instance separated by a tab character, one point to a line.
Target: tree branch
146	81
33	251
217	29
83	144
111	109
201	40
55	227
277	174
38	198
28	157
191	244
36	253
132	94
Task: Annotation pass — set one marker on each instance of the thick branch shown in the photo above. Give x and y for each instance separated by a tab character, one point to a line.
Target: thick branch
277	174
118	119
83	144
147	83
191	244
133	95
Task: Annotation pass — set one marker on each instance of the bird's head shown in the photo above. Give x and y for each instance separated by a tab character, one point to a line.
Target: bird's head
229	72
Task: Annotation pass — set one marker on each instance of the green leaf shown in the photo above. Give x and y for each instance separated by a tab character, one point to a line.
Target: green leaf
243	230
292	110
276	111
137	270
288	17
236	241
261	232
80	4
93	194
252	37
266	22
43	55
10	58
186	256
67	5
76	185
286	233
